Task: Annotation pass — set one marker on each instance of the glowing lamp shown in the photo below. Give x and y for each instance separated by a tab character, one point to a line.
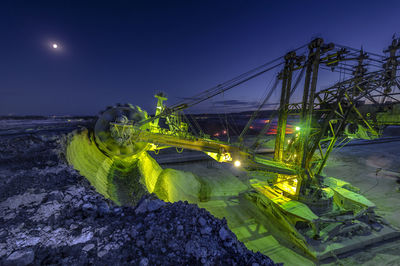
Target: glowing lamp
237	163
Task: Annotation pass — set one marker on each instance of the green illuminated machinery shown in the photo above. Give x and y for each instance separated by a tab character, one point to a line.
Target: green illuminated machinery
127	131
325	215
322	216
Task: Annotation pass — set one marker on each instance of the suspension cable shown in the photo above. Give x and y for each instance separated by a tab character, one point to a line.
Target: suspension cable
254	115
223	89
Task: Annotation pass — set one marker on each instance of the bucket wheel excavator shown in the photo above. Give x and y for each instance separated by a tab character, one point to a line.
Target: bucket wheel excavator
322	216
127	131
325	216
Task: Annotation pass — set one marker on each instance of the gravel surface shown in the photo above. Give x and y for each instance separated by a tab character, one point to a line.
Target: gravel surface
51	215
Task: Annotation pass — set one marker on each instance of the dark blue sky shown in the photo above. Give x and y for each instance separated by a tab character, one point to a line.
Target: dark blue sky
125	51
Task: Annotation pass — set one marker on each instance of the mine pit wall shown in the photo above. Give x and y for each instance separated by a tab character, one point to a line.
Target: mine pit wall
125	180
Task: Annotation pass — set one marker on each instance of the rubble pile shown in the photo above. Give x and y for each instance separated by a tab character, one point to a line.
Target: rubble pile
51	215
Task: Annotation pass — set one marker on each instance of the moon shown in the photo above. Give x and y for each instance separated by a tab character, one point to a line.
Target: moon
54	45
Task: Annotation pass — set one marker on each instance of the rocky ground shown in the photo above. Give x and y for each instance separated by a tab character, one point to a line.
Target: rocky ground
51	215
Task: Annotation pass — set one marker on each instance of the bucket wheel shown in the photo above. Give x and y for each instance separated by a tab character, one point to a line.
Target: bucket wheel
114	131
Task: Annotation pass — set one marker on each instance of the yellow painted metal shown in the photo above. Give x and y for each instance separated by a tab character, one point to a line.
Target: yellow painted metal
279	210
286	204
288	183
219	157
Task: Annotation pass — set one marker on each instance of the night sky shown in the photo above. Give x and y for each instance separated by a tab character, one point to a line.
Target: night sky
126	51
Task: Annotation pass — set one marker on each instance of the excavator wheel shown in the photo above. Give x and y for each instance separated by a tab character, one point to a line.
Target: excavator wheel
119	143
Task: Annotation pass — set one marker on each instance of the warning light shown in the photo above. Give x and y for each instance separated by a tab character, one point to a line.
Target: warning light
237	163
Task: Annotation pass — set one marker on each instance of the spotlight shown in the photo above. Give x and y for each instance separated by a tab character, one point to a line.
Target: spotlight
237	163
